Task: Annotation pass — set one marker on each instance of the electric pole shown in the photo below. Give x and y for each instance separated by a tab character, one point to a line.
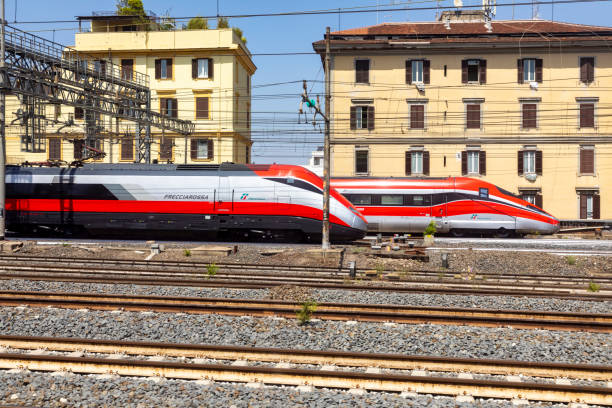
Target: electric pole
326	143
2	134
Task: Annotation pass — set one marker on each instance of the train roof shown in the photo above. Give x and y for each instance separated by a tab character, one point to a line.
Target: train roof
134	167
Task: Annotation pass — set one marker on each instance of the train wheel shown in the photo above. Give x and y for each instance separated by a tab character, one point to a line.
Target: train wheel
457	233
502	233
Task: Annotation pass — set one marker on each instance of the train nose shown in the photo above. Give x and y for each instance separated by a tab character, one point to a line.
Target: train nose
359	223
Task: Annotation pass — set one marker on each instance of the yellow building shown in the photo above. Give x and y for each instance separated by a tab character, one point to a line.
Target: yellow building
203	76
521	104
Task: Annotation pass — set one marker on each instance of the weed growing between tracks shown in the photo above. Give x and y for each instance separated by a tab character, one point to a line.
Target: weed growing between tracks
305	313
593	287
211	270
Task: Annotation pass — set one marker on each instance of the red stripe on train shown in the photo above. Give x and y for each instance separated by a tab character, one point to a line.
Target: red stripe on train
170	207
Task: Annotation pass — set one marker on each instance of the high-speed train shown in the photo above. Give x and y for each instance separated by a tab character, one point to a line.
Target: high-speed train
457	205
255	200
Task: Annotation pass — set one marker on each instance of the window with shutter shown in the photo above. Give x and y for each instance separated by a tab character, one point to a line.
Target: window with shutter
529	115
55	148
202	108
78	149
199	68
473	69
169	107
361	161
473	162
587	160
127	69
362	71
79	113
127	148
417	71
417	116
165	149
529	70
587	69
587	115
163	68
472	116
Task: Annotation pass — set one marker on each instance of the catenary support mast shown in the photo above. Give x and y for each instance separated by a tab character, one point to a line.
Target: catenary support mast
326	144
2	133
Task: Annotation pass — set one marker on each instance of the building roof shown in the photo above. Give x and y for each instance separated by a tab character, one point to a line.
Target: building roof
502	27
441	33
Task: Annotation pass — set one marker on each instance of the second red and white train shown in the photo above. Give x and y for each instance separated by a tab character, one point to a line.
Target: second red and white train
457	205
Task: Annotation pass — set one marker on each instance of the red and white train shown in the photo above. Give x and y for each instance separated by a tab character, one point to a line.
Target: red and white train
457	205
260	200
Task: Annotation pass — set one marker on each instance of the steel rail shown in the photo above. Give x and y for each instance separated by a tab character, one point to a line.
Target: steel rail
292	277
328	311
270	267
316	378
474	290
595	372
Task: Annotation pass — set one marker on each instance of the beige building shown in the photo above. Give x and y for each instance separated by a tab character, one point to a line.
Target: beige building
522	104
203	76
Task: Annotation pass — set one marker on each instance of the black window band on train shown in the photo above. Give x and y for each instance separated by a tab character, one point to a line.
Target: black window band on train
290	181
60	191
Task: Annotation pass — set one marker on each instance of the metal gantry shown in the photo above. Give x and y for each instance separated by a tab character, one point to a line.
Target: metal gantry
46	72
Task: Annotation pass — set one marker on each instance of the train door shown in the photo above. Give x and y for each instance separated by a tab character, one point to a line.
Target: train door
224	201
439	211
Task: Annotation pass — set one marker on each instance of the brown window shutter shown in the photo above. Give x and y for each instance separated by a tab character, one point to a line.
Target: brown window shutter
157	69
583	206
163	106
587	68
473	116
464	72
520	162
463	163
55	148
127	148
529	116
169	68
202	108
79	113
103	67
194	68
587	115
362	71
353	119
408	163
78	149
583	70
538	69
538	162
408	71
370	117
174	107
211	149
482	77
482	162
538	200
426	163
127	69
194	149
596	204
417	116
211	68
519	69
165	148
426	66
587	161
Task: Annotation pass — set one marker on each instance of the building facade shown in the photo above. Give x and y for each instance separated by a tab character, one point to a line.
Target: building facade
203	76
521	104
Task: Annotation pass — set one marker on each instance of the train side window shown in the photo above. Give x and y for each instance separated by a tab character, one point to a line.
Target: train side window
483	192
395	199
290	180
361	199
418	200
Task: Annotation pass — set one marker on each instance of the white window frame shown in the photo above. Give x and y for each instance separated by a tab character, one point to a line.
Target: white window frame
472	62
205	143
416	162
529	70
417	71
202	65
589	202
360	111
362	149
529	161
163	68
473	161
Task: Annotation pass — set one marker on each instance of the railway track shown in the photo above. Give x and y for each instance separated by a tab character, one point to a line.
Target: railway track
328	311
286	374
265	276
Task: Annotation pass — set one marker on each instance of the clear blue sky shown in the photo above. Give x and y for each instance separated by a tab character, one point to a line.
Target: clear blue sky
277	135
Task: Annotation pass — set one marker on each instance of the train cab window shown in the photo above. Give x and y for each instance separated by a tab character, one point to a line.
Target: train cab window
290	180
483	192
361	199
395	199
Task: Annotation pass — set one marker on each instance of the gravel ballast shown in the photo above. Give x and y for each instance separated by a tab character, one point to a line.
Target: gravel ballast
421	339
325	295
37	389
